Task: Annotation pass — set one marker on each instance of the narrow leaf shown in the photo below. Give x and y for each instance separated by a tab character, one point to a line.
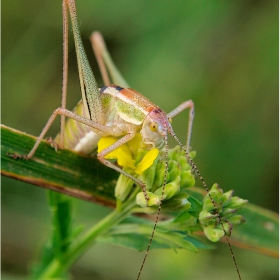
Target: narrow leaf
63	171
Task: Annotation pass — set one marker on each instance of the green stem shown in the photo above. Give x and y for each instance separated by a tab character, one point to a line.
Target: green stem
57	267
118	204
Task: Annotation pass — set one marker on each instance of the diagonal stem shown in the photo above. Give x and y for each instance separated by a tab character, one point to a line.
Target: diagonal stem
57	267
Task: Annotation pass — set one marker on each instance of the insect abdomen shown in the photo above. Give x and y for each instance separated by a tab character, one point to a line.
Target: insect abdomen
77	136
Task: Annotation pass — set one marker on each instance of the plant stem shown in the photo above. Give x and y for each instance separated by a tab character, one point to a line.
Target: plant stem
57	267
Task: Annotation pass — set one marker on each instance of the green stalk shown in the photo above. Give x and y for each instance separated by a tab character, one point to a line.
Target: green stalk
57	267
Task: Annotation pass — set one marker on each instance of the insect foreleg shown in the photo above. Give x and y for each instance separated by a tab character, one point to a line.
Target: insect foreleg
187	104
101	156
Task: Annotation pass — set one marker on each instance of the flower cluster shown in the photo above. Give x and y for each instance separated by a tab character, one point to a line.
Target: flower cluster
219	220
149	167
169	183
178	178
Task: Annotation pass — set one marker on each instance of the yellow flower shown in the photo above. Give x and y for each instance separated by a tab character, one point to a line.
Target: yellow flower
127	153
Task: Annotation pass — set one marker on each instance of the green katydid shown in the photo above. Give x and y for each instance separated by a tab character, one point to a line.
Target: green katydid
116	111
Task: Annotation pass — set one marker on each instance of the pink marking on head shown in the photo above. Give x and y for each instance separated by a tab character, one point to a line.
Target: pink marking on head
160	117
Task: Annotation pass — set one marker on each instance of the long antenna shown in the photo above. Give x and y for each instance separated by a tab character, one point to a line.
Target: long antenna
195	169
159	207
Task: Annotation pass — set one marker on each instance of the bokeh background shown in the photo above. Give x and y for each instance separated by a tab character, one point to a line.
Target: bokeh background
221	54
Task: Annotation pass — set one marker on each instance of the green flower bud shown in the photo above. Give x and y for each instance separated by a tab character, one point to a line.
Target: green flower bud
140	154
178	202
187	179
184	163
173	170
227	226
206	218
208	204
216	192
237	220
236	202
177	152
170	189
228	211
148	176
159	176
212	234
227	196
154	200
192	154
123	187
174	153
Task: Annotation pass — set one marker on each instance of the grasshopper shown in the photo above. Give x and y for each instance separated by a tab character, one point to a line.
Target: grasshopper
113	110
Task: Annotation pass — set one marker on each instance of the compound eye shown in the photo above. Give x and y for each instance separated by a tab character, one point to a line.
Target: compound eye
153	126
170	120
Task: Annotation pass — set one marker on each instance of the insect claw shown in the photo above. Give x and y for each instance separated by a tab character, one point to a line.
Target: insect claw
16	156
53	143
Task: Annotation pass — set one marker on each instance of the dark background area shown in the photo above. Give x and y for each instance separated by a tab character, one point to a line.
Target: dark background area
221	54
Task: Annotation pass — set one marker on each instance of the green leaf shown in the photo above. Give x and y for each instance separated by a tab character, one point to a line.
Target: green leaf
84	177
135	233
63	171
260	232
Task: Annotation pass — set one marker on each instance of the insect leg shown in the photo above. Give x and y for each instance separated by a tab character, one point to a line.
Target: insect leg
65	71
98	45
90	93
61	111
188	104
105	61
121	141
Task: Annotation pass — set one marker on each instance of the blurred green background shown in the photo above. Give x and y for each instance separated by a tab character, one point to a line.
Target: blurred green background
221	54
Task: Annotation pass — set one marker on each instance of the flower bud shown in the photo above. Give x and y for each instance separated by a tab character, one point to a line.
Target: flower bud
227	227
170	189
216	192
174	153
148	176
159	176
178	202
154	200
237	220
237	202
187	179
173	170
228	211
227	196
123	187
208	204
212	234
192	154
184	163
206	218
